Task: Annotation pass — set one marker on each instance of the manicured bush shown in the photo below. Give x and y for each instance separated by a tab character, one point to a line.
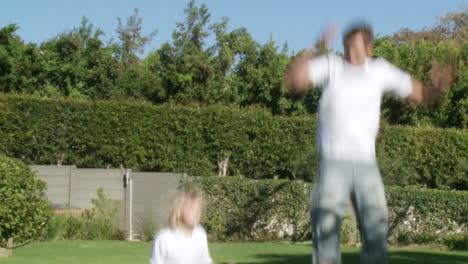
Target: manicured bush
24	209
199	140
243	209
426	215
433	157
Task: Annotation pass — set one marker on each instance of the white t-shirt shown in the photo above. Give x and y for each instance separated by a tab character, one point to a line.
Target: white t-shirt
174	247
349	109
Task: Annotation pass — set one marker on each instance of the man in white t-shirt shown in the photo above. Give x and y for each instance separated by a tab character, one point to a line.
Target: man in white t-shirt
348	122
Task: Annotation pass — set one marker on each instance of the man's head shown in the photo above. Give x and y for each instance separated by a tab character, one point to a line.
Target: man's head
358	43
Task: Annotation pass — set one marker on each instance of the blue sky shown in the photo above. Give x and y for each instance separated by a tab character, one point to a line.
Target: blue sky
297	22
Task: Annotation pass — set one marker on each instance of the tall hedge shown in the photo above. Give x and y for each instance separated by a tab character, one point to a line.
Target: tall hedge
196	139
437	158
242	209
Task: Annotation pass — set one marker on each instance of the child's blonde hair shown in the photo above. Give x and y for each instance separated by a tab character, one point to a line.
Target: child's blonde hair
187	193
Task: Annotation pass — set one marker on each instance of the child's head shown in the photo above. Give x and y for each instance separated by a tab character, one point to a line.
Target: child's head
186	208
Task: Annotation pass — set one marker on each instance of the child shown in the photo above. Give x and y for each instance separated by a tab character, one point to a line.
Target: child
184	241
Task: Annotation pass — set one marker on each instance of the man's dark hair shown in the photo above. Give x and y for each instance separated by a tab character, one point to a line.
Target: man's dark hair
362	27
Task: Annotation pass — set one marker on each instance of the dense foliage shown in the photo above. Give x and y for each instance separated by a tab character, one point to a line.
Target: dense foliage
259	210
206	63
24	209
210	140
99	223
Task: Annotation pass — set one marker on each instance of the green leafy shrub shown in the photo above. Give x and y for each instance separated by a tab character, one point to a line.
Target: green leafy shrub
102	217
349	231
420	215
56	228
196	140
24	209
417	58
95	224
148	228
456	242
244	209
433	157
77	227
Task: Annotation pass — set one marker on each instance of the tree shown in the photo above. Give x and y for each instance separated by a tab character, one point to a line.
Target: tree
186	64
451	27
418	59
132	39
79	64
230	49
18	62
259	76
416	52
234	70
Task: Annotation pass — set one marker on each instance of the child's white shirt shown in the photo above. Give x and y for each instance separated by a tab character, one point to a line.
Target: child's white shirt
172	246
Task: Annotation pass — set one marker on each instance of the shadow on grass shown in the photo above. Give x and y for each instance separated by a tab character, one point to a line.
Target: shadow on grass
396	257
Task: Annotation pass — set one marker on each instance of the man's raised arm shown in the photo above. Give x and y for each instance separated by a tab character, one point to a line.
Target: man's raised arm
442	78
297	78
299	75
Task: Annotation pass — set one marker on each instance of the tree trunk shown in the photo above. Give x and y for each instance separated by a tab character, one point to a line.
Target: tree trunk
8	251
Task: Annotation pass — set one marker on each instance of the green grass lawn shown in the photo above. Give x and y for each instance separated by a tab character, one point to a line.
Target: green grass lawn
117	252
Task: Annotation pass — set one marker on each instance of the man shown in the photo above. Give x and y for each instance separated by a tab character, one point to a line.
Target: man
349	114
